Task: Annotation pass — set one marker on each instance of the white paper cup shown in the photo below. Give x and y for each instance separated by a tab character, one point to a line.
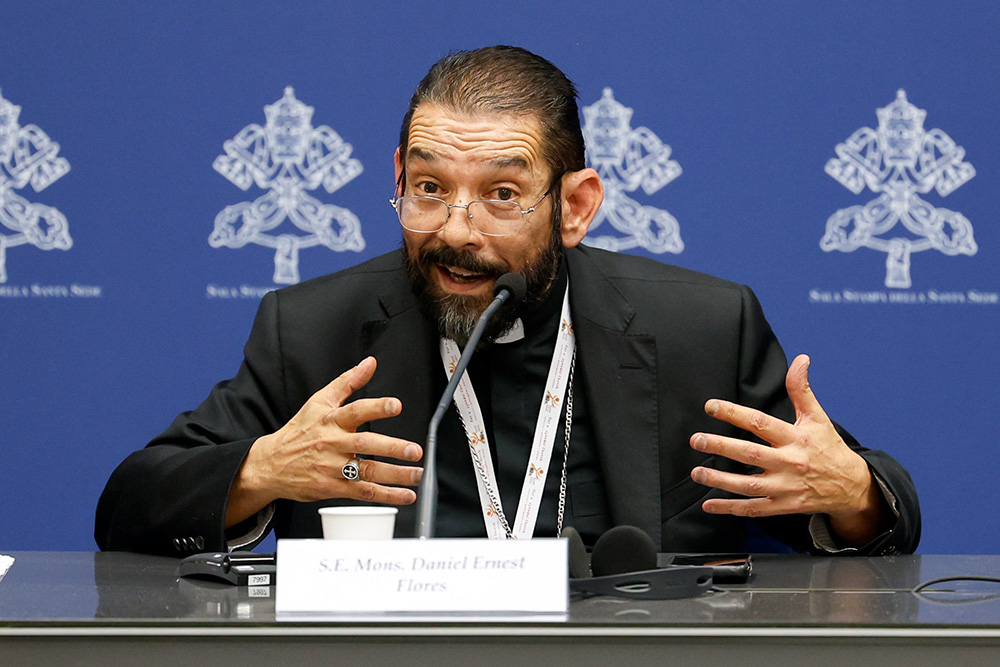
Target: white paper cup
358	522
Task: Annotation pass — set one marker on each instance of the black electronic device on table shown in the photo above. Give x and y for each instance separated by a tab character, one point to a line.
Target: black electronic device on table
241	568
726	568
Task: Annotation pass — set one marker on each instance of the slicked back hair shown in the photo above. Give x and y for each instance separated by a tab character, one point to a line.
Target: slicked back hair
507	79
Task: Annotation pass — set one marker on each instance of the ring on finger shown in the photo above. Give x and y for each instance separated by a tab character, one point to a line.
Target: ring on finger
351	470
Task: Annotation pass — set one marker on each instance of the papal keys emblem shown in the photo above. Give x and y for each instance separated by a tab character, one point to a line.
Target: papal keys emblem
899	161
28	157
288	157
628	159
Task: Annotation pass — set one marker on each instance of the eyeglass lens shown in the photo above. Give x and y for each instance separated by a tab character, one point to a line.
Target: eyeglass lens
430	214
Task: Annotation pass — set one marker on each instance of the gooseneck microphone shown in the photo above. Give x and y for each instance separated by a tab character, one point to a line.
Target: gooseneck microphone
510	287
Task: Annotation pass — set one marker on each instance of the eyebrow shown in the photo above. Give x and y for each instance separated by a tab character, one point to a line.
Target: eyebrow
502	162
421	154
511	161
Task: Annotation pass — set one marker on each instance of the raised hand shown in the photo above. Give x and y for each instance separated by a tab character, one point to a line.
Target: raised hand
808	469
304	459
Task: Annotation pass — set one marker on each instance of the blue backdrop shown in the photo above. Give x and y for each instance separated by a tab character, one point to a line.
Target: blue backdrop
117	313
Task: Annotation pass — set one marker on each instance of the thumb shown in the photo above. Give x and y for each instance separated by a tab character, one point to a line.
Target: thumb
804	401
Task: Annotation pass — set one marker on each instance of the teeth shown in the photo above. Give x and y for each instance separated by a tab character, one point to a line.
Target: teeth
460	273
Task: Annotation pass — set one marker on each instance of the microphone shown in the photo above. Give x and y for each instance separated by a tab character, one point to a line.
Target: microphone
510	287
579	559
624	565
623	549
514	284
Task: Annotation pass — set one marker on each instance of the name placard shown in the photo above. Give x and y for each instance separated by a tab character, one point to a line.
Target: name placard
406	576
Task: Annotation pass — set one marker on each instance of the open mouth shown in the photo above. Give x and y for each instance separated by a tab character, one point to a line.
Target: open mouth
461	275
457	278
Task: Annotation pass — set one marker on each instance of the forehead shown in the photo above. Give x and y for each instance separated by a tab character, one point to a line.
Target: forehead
439	135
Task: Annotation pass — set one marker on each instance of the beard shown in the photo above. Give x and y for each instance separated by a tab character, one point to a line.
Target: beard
456	314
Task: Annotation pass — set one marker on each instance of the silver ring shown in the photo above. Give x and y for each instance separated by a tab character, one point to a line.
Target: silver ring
351	471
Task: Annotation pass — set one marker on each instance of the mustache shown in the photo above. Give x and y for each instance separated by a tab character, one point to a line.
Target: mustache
461	260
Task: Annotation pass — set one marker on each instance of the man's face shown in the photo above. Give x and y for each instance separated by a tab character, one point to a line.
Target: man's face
461	158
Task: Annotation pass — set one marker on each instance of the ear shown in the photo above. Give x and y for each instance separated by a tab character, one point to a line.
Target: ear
398	164
582	194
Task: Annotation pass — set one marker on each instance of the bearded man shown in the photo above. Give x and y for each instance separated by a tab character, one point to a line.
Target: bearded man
675	408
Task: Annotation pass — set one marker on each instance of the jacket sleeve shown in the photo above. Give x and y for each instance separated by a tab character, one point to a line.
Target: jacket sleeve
170	497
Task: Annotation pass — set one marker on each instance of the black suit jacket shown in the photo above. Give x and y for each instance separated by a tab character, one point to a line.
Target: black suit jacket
654	343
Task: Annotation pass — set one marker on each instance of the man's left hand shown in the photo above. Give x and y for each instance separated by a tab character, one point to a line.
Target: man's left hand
808	469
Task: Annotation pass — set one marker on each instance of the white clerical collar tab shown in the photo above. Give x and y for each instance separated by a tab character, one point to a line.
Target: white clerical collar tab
514	334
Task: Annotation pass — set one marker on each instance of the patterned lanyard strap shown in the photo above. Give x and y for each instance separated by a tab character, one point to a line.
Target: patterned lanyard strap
558	384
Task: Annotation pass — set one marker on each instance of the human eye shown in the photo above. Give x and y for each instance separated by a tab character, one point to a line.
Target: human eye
428	188
504	194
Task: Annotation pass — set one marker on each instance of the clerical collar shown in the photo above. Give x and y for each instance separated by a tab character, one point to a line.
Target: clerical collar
540	314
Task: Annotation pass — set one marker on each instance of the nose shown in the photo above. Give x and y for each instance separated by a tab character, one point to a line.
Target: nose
458	230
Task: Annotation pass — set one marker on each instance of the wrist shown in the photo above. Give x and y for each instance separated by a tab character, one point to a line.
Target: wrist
250	491
861	518
252	475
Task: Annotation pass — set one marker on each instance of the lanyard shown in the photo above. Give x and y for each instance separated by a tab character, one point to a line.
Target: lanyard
560	371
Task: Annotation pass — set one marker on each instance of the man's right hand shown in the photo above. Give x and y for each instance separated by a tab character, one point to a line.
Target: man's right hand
303	460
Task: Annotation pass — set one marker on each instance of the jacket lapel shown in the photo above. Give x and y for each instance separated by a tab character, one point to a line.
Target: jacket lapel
404	344
618	369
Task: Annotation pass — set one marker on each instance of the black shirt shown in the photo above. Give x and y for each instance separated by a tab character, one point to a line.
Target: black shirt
509	380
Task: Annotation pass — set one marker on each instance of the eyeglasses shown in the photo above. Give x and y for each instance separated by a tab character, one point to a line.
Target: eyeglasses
490	217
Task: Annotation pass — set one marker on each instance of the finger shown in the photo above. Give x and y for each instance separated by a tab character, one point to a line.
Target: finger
764	426
354	414
388	473
386	446
348	382
800	391
751	453
753	486
751	507
376	493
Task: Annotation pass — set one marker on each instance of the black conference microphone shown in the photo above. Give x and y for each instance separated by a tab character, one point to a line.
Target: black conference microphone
510	287
623	564
623	549
579	559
